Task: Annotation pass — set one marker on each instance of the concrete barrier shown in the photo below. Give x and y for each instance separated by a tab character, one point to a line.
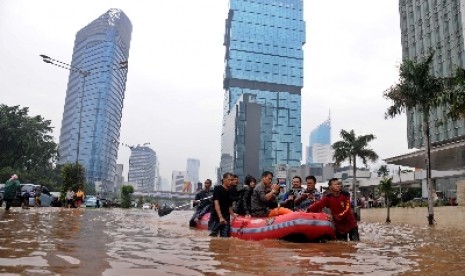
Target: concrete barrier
446	216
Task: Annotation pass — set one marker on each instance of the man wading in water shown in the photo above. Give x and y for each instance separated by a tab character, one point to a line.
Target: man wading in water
202	202
339	203
222	210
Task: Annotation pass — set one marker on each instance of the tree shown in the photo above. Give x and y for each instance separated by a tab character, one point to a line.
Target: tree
385	187
417	89
26	143
126	191
454	95
383	171
73	175
352	147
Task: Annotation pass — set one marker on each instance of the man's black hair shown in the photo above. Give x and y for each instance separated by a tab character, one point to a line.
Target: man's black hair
249	179
227	174
331	180
265	173
310	177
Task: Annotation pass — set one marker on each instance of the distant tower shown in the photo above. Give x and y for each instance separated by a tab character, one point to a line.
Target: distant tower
98	49
143	168
262	84
319	149
192	169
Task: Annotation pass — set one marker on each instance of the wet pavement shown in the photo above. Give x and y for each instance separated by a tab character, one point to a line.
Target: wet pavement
52	241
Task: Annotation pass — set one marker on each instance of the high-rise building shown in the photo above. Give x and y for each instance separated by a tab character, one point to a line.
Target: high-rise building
143	168
192	169
319	149
437	26
94	97
262	81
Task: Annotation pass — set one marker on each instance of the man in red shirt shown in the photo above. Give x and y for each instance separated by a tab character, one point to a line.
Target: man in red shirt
338	202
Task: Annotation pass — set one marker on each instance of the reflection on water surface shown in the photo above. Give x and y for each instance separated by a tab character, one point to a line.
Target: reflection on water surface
47	241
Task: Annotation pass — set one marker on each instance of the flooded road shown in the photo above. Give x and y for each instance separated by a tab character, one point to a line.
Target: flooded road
51	241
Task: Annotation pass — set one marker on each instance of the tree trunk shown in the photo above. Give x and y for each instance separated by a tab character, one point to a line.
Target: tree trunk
388	218
354	189
428	168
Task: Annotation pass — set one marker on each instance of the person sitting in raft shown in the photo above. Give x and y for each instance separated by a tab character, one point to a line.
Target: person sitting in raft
243	206
308	196
290	196
264	196
338	202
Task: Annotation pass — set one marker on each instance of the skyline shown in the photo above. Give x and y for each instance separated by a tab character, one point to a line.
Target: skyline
350	58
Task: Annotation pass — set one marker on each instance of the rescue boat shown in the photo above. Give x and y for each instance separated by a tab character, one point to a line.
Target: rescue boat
295	226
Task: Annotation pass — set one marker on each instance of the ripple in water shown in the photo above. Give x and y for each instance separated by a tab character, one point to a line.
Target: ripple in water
138	242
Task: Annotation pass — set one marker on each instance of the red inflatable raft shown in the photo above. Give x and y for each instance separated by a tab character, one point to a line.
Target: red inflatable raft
293	226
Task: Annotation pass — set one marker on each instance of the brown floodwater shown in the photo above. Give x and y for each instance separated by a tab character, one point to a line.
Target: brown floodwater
51	241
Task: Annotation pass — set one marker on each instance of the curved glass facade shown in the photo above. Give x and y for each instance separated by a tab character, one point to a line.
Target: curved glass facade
320	141
94	98
264	60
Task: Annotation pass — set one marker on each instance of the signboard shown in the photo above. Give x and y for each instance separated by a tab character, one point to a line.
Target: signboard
282	182
281	174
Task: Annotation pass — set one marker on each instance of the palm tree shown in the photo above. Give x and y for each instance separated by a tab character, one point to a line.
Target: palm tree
417	89
385	187
352	147
383	171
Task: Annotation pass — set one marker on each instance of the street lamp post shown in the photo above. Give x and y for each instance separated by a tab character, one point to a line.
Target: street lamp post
83	74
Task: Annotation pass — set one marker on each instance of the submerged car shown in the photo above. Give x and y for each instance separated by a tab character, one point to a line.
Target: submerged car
91	202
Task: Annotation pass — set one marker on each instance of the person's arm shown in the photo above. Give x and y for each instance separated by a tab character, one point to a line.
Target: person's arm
231	212
300	198
247	201
269	196
196	200
218	211
317	206
346	209
287	199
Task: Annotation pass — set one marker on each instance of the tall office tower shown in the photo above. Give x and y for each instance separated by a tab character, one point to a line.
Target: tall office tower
319	149
94	97
192	169
143	168
262	81
427	26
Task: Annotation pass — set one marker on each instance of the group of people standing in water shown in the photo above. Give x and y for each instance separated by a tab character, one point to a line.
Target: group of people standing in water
265	199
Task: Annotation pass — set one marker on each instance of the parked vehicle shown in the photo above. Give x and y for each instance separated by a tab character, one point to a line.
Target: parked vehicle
146	205
29	188
91	202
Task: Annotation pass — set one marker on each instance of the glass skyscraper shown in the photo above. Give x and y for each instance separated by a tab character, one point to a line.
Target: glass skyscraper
94	97
319	149
263	80
426	26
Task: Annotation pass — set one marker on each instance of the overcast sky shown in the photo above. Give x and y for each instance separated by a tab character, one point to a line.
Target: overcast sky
174	92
